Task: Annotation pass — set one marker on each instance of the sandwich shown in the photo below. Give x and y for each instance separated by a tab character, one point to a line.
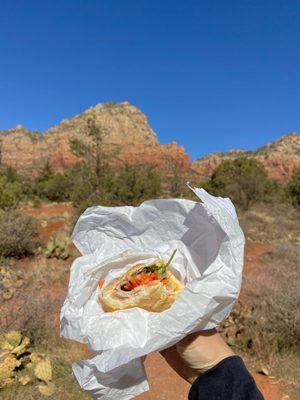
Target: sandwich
151	287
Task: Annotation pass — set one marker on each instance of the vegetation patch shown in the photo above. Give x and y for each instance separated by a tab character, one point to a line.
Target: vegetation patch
245	182
10	282
18	234
20	363
58	247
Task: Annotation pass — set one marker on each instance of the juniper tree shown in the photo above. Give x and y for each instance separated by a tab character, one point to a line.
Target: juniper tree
93	174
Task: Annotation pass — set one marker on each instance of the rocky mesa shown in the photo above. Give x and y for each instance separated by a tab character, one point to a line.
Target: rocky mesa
127	127
128	130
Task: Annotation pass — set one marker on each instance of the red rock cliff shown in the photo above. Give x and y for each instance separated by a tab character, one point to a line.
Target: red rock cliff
280	158
127	128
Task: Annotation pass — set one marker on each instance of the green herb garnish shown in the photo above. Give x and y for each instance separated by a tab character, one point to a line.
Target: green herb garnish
158	266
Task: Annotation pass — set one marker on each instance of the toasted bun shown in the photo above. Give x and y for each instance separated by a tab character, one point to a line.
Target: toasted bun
154	296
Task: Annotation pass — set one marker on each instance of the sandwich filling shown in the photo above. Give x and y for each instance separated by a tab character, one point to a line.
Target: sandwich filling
146	275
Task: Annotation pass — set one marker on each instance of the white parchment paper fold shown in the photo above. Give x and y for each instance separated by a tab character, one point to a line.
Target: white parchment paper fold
209	261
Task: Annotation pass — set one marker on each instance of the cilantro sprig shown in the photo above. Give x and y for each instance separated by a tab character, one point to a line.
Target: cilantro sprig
158	266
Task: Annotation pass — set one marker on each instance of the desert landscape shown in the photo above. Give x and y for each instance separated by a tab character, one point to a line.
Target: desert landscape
110	155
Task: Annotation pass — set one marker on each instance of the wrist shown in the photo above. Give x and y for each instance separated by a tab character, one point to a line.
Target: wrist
201	351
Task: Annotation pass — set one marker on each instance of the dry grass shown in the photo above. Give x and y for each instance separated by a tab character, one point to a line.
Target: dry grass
282	254
276	315
265	223
39	298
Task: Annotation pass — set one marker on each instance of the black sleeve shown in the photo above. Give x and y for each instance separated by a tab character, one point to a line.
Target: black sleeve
228	380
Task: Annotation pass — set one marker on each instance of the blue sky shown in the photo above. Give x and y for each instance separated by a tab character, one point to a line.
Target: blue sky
212	75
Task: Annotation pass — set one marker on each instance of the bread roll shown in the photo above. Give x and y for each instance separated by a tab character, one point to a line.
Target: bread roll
156	295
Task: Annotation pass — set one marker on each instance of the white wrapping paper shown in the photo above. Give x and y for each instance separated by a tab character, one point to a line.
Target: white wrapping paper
209	261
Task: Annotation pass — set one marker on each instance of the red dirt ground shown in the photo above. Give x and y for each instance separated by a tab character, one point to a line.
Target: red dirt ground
49	210
253	254
50	230
52	218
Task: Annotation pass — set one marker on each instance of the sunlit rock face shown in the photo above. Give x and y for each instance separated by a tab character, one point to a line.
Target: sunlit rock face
129	132
127	129
280	158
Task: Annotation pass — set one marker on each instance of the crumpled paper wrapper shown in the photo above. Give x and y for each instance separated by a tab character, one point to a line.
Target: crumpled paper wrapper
209	261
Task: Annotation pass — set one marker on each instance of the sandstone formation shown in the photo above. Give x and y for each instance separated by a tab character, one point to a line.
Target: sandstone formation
280	158
129	130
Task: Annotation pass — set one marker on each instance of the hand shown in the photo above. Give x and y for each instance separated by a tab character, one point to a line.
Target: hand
197	353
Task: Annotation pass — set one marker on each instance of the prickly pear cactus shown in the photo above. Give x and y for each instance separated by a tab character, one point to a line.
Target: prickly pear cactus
43	370
10	340
58	247
10	281
20	364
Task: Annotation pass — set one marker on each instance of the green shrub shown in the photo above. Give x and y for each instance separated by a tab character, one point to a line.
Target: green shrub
18	234
57	188
136	183
176	180
53	186
244	181
13	188
129	185
89	188
10	194
293	189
